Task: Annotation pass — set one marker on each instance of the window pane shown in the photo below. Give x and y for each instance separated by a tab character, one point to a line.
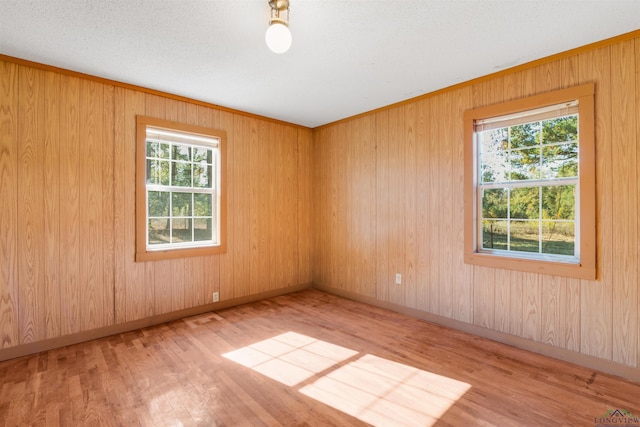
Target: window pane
202	176
153	172
158	231
158	203
181	152
202	229
181	174
525	236
202	204
494	140
181	230
494	166
525	164
526	135
525	203
152	149
181	204
560	161
164	151
559	202
202	155
561	129
157	172
494	234
558	237
495	203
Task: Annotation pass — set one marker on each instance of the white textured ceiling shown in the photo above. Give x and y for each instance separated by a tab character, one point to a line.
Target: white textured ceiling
347	57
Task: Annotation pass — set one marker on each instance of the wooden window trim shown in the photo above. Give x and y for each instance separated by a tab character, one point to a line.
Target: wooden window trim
142	254
586	269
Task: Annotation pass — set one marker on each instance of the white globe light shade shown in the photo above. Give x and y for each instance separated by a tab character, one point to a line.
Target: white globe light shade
278	38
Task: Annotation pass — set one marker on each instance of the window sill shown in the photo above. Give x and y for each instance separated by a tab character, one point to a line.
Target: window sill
179	253
565	269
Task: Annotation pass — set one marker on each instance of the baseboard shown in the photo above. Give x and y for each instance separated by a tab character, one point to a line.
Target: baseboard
49	344
591	362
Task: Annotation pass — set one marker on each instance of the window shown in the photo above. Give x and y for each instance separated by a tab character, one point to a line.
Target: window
530	184
180	204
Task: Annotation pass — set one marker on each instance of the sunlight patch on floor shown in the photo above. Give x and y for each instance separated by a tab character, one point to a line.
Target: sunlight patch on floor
290	358
386	393
370	388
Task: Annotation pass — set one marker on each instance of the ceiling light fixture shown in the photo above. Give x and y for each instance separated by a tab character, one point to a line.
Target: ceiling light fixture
278	36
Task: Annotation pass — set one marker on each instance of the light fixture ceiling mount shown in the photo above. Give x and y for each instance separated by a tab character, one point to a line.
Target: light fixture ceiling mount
278	36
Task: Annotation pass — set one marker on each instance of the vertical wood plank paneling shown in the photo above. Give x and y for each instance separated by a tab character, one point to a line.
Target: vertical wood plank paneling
551	289
383	216
240	204
339	241
211	265
139	293
570	315
434	262
70	286
319	205
531	317
370	196
625	203
260	273
107	205
516	302
445	193
409	271
396	201
349	200
287	195
227	261
305	237
596	310
637	82
9	96
120	214
90	204
484	297
462	273
423	193
30	204
51	167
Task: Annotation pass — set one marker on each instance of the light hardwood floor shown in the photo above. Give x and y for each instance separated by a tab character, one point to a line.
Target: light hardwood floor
307	358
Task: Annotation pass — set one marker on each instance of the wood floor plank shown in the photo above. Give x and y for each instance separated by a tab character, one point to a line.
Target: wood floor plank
386	369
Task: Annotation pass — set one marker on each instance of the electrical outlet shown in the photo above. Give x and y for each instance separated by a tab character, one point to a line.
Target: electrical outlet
216	296
398	279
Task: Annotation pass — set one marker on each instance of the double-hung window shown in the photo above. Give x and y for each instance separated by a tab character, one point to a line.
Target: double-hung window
180	194
530	184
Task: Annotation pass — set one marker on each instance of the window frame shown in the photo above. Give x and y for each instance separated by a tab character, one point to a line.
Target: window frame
586	229
142	252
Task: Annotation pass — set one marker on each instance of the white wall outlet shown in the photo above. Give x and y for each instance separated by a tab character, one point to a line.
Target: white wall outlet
398	279
216	296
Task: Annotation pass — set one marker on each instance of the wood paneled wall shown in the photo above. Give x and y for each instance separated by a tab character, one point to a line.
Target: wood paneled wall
388	198
67	207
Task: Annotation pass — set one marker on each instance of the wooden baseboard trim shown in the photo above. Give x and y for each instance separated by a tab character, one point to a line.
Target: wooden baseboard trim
49	344
591	362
